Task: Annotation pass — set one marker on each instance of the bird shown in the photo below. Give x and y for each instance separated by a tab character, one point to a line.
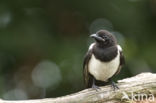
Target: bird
103	60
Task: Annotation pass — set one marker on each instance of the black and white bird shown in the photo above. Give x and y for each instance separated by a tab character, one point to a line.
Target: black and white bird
103	60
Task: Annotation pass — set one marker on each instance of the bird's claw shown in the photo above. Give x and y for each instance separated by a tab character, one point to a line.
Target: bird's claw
96	87
114	86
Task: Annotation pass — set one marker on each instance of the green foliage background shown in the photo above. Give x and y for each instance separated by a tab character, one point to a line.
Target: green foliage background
34	32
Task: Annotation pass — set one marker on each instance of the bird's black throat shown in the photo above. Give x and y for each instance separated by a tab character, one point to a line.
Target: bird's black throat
105	54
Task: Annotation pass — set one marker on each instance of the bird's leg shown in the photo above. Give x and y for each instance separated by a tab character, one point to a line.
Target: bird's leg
94	86
114	85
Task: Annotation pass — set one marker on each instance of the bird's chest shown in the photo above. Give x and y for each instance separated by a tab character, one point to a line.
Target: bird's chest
103	70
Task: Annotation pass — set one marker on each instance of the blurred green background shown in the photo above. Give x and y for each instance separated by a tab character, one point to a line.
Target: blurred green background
43	42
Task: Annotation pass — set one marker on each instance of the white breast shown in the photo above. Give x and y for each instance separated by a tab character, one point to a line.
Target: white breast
103	70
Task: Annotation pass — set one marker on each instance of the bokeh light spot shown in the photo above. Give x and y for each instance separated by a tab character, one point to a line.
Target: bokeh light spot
46	74
5	19
99	24
15	94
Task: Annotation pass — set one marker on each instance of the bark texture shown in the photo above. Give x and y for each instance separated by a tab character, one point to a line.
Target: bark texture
138	89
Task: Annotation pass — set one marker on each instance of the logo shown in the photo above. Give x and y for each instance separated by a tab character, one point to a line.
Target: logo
137	97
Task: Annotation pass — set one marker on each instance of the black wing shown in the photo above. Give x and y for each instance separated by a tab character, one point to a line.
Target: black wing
87	77
122	62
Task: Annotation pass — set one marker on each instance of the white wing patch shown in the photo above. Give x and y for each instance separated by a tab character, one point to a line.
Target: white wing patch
91	46
119	48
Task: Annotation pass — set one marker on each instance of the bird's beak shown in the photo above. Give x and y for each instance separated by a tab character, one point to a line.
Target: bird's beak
97	38
93	36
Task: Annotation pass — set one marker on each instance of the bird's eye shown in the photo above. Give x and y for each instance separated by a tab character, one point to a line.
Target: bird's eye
103	37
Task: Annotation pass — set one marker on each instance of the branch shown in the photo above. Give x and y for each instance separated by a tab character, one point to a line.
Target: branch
144	84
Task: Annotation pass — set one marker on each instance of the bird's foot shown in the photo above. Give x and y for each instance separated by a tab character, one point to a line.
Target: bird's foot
95	87
114	86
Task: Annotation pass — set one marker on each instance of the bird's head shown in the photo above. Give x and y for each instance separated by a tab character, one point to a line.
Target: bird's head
104	38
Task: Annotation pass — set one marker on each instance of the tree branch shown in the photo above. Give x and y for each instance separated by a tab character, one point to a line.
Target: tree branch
144	84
